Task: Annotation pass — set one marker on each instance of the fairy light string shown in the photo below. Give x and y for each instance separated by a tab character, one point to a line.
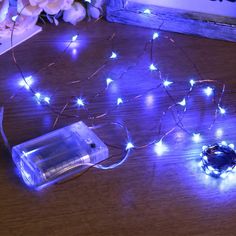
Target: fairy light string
177	109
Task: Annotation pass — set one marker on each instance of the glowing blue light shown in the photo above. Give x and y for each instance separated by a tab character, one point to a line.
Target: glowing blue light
25	175
208	91
152	67
74	51
149	100
155	36
89	1
47	99
197	138
205	158
219	133
192	82
224	175
37	95
74	38
147	11
119	101
27	82
113	55
218	160
224	143
80	102
160	148
14	18
183	102
129	146
167	83
109	81
222	110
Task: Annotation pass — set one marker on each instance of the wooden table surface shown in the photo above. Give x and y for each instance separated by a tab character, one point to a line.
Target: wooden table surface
150	194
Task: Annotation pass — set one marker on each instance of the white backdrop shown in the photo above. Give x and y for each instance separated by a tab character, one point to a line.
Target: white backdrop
225	8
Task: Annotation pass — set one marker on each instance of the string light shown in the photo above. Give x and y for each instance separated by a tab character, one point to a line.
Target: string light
14	18
113	55
218	160
40	98
192	82
183	102
222	110
208	91
224	143
47	100
109	81
27	82
129	146
167	83
147	11
119	101
155	36
74	38
160	148
38	95
80	102
197	138
152	67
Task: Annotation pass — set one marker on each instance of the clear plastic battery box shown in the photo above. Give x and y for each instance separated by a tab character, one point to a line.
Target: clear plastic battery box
58	155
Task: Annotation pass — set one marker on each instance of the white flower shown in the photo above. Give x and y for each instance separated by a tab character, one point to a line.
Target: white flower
67	4
54	6
4	5
35	7
25	8
75	14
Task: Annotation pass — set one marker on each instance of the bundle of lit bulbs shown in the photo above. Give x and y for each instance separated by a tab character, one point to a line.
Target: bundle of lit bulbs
32	158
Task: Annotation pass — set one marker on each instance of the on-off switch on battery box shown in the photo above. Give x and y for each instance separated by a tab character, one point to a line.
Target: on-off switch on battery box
58	155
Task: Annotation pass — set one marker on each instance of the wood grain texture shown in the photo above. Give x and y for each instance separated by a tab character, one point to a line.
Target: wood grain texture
149	194
5	43
175	20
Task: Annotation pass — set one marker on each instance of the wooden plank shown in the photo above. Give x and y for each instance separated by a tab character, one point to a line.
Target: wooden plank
5	43
178	13
117	4
180	21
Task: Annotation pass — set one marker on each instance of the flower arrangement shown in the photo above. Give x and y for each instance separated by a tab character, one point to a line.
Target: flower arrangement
25	13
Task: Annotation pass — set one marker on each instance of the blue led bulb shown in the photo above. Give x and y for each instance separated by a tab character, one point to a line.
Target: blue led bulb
218	159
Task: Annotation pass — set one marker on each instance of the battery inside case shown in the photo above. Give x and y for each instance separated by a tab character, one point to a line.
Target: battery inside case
58	155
